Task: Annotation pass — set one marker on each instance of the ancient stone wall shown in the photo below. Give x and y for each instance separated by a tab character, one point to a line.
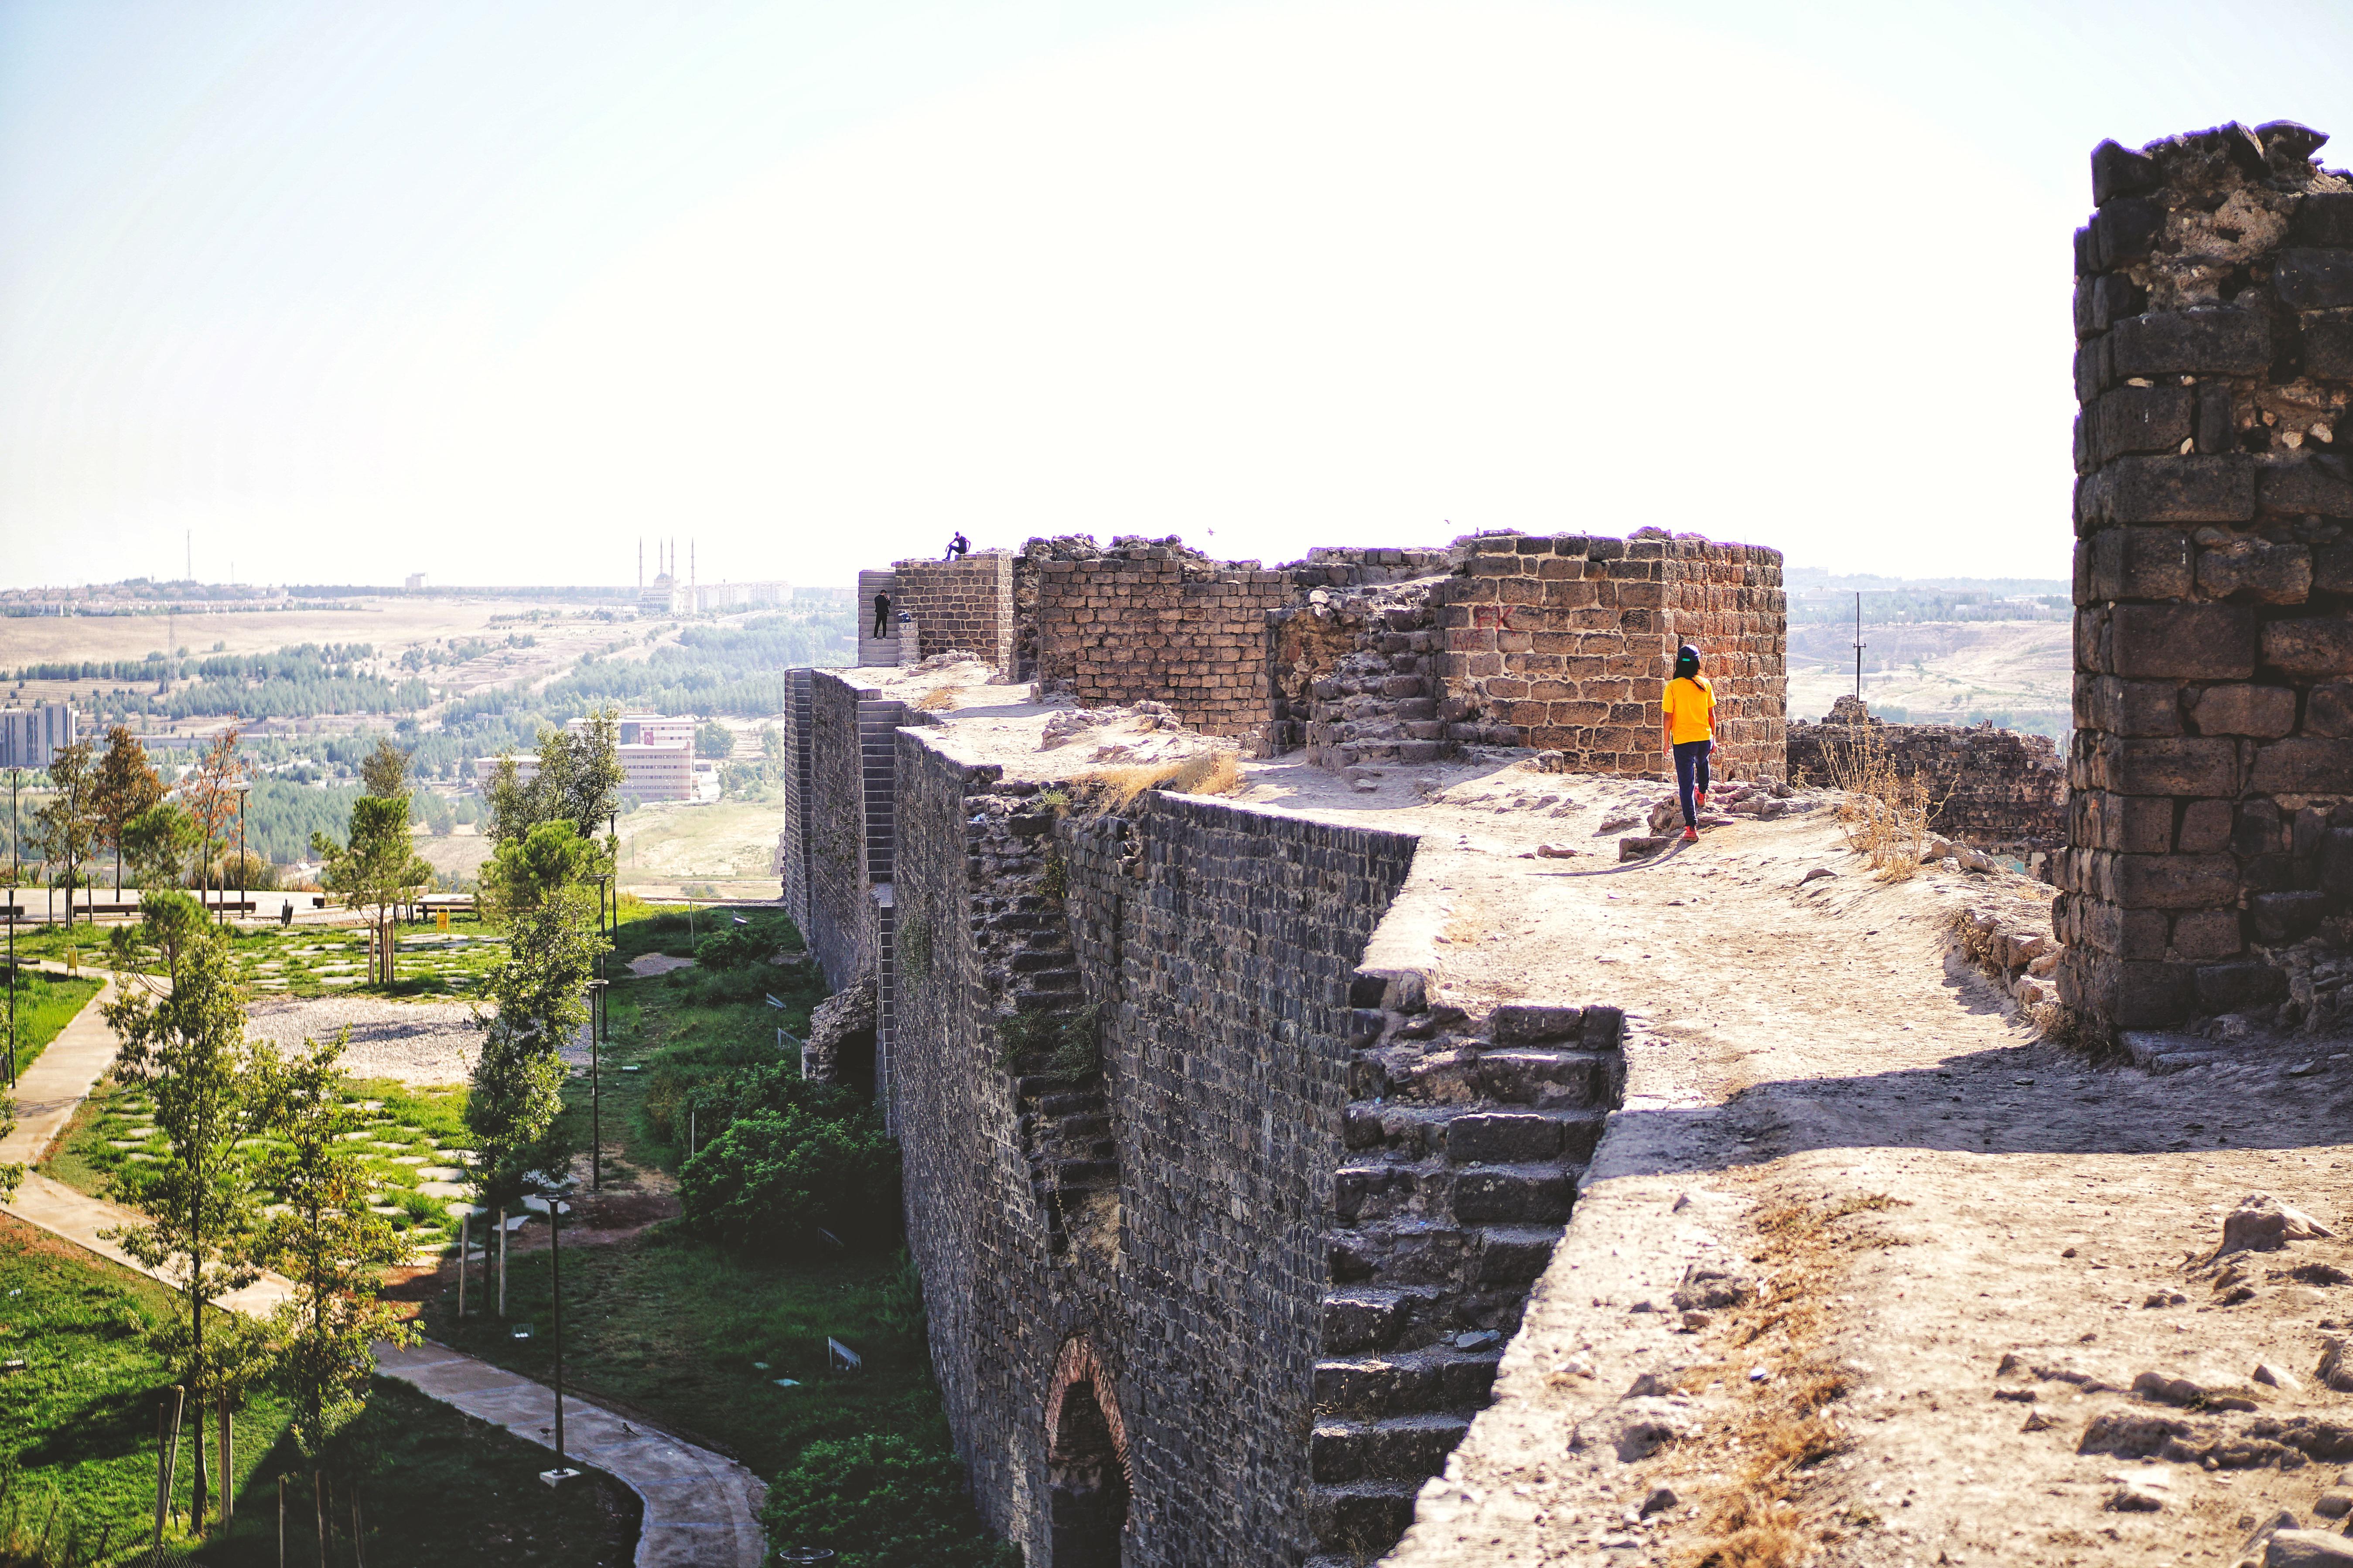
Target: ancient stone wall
966	604
1563	642
1153	621
1355	675
793	839
1991	786
2211	820
849	818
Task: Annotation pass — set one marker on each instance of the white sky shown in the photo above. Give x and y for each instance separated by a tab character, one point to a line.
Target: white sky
490	290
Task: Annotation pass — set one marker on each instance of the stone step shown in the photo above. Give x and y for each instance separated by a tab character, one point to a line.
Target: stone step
1357	1318
1532	1192
1413	1252
1466	1134
1362	1518
1403	1383
1393	1449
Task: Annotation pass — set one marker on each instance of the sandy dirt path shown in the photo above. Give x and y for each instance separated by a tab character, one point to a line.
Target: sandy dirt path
1829	1103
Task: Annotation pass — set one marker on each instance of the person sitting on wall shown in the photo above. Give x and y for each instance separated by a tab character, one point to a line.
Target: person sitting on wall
1688	706
881	615
958	548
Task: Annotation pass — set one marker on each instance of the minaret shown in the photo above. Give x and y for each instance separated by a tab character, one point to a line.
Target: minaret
641	566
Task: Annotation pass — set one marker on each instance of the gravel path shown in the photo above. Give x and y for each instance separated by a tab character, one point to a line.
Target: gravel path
415	1042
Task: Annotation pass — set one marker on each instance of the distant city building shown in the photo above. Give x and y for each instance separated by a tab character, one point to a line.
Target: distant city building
415	583
669	595
29	736
648	771
649	729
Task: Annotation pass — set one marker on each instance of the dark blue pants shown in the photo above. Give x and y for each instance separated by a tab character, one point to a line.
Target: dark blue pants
1691	773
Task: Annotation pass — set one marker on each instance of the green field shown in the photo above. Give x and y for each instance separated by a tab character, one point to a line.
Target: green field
46	1003
79	1449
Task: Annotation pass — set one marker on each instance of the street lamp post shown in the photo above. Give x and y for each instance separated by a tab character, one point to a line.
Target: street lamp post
243	788
595	1091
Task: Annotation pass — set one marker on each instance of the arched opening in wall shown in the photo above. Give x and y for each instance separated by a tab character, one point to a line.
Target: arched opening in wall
1086	1458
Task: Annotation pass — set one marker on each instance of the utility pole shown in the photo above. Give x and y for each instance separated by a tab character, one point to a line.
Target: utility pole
1858	646
556	1273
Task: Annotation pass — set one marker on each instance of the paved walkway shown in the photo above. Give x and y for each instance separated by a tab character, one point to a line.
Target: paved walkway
700	1510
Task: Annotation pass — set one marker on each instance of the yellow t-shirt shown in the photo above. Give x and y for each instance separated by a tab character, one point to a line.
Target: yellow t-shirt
1690	704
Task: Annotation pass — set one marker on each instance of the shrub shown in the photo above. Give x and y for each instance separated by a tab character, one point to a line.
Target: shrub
881	1501
770	1180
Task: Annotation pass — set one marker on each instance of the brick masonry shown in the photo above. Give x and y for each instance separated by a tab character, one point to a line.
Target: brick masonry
2210	823
1153	621
1564	642
1992	787
966	604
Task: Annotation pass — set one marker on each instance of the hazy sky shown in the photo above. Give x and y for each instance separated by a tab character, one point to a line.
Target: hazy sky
490	291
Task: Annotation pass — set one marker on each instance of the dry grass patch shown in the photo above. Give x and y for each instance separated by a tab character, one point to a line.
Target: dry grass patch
1205	773
1762	1520
1882	814
938	700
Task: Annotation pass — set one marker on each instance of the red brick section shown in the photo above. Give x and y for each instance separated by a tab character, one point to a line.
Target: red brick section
1564	643
1147	623
2210	823
966	604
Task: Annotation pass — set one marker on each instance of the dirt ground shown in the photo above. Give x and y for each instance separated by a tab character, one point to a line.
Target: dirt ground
1826	1097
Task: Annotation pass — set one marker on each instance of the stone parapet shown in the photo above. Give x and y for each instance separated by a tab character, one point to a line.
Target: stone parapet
1990	786
966	604
2212	760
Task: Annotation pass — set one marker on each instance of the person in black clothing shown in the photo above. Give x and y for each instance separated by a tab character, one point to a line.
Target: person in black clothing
881	615
958	547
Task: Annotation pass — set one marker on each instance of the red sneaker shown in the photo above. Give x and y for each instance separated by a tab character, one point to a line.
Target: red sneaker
1691	835
1699	801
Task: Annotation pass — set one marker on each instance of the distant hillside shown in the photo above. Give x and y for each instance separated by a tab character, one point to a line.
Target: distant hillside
1818	596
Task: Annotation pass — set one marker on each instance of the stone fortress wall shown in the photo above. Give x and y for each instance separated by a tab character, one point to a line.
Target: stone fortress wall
1365	656
1231	1288
1991	788
2210	824
965	604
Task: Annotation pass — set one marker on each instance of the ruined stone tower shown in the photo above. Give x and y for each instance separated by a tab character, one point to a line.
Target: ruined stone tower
2211	828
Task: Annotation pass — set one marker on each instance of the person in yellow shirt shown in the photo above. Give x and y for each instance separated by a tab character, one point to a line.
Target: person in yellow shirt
1689	708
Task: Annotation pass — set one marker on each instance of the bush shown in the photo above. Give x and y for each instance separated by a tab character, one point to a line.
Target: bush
771	1179
881	1501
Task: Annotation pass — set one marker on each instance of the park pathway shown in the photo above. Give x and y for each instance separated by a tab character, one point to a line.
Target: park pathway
702	1511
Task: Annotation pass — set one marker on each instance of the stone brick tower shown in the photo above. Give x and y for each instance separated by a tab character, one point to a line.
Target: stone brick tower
2210	826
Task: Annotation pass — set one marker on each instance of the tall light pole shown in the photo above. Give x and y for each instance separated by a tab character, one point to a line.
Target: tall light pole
243	788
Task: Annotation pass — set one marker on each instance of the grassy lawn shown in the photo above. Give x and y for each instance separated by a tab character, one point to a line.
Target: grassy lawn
78	1440
414	1148
45	1004
317	960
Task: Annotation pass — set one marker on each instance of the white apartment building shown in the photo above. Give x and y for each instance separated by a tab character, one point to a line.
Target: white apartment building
29	736
648	771
649	729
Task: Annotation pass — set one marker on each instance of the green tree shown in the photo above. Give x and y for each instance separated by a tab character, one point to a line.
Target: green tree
331	1245
576	778
713	740
879	1500
126	784
540	994
384	773
521	873
378	866
68	819
158	842
184	1042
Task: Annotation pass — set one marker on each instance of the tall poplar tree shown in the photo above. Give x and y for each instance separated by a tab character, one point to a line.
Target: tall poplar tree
67	821
184	1043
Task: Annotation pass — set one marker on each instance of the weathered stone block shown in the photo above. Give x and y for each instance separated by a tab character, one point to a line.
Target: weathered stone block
2310	645
2287	916
2205	828
1502	1138
2314	279
2329	350
2259	711
2185	765
2200	642
2328	710
2207	341
2256	569
2194	489
2141	419
2207	934
2323	218
2303	765
1506	1193
2174	881
2142	563
2298	486
1524	1024
2249	982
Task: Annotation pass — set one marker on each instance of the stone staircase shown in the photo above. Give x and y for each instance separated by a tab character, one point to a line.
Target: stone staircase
1464	1148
